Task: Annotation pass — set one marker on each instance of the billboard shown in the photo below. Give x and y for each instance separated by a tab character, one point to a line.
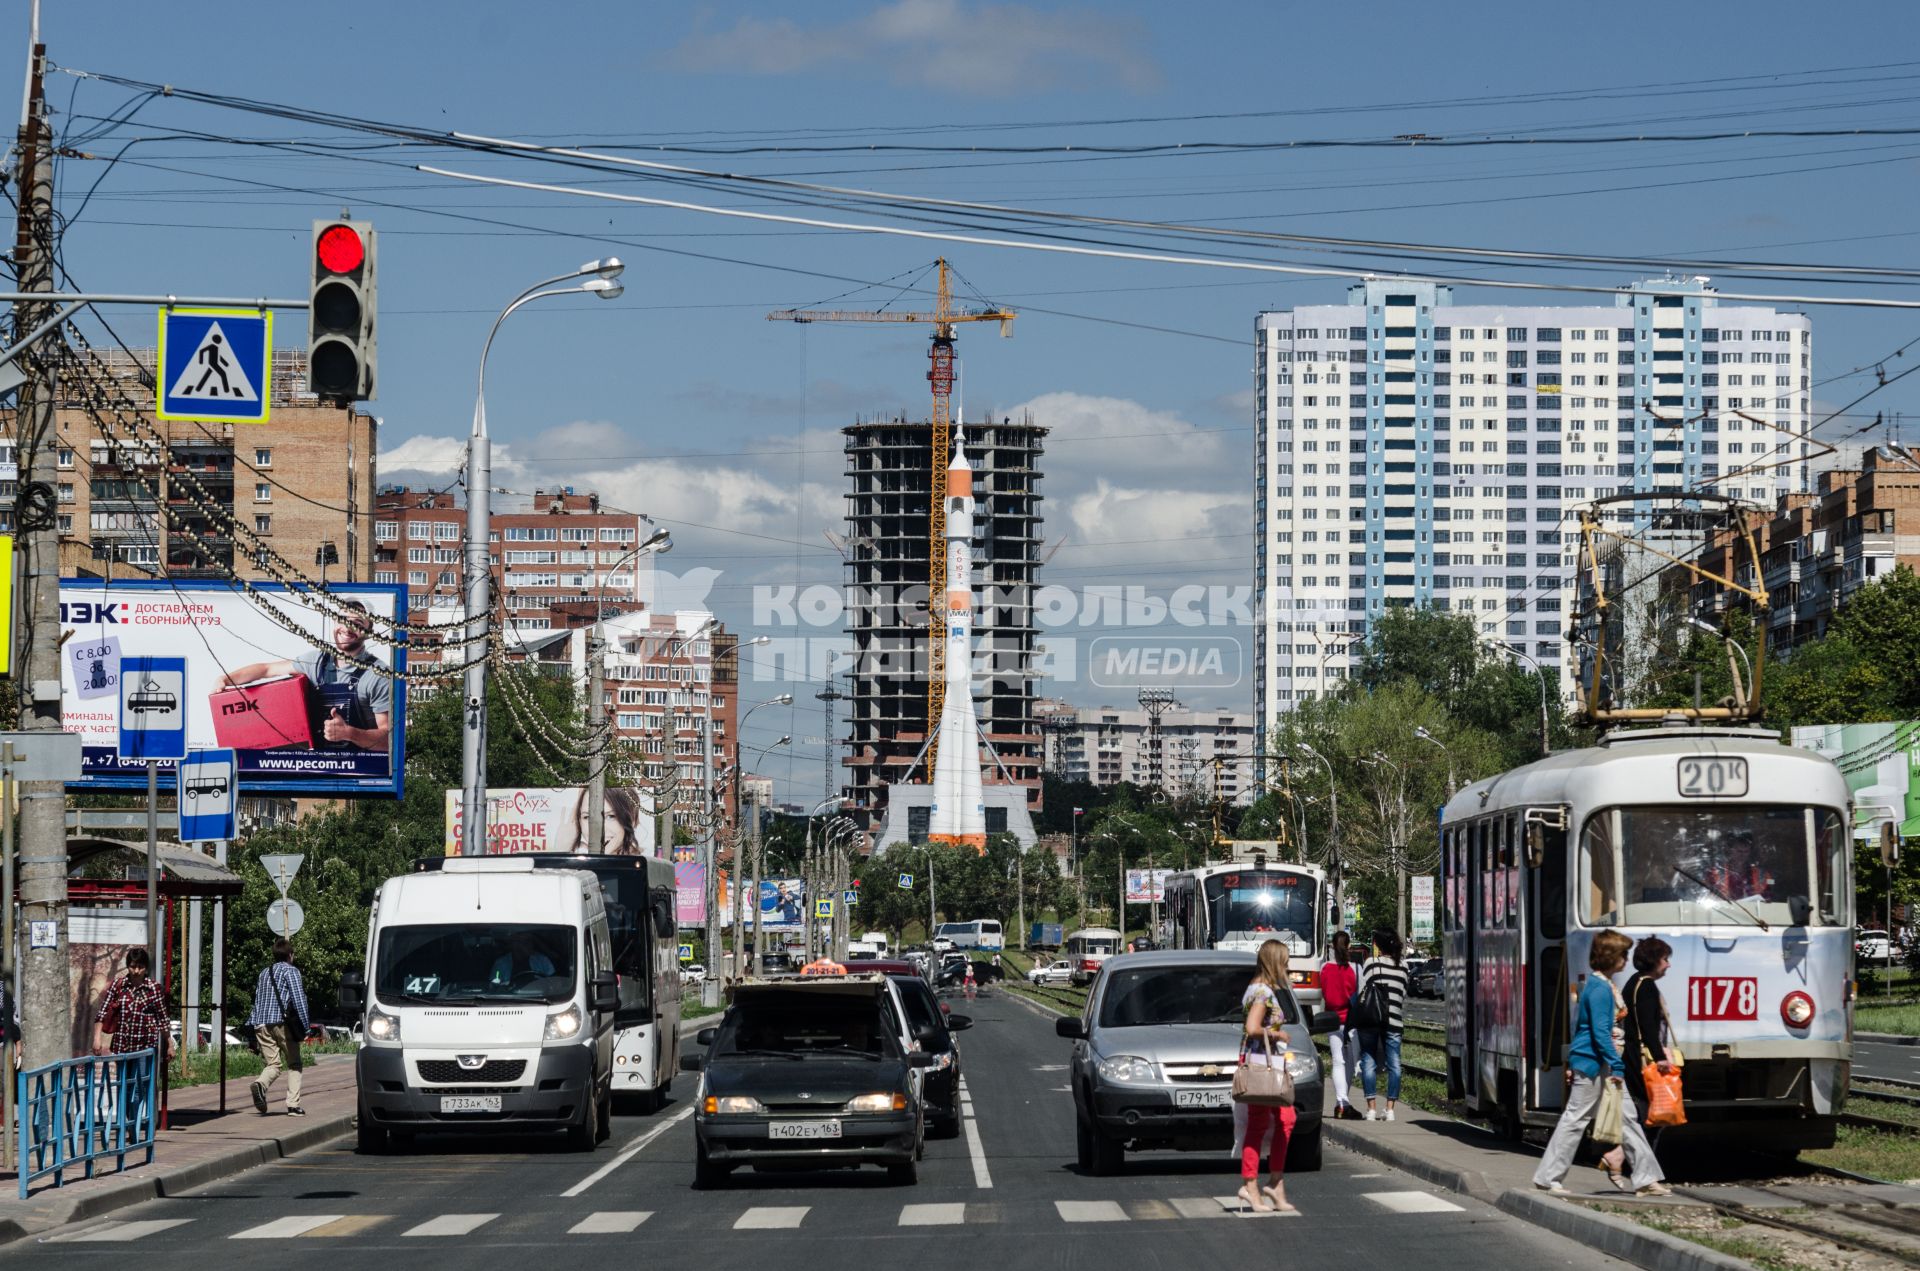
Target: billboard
783	905
1881	763
303	697
1146	886
1423	906
690	893
554	819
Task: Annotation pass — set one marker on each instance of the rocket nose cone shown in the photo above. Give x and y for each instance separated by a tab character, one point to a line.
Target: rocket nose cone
960	463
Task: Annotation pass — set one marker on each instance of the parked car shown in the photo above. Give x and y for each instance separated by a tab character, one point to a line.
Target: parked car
1871	946
809	1074
1425	977
692	973
1052	973
1154	1055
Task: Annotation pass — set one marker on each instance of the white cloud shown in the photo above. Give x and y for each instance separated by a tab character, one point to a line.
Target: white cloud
947	44
1119	438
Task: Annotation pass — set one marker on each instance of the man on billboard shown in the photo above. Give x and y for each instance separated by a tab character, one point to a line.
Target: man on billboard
358	699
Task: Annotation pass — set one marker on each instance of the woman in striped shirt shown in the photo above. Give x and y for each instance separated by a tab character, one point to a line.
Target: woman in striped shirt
1381	1046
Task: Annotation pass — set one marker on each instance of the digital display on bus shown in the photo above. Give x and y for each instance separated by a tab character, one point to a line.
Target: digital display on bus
1253	904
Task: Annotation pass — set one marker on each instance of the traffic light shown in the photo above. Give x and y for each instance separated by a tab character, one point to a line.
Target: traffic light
340	333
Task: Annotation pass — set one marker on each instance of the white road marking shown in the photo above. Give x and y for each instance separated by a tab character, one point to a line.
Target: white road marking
612	1222
769	1217
1412	1203
286	1228
1238	1205
1198	1207
121	1232
451	1225
982	1178
628	1153
1090	1211
937	1215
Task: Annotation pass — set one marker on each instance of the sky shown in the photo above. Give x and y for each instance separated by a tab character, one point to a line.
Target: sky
681	401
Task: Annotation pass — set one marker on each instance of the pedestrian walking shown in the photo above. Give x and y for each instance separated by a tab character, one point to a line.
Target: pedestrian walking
280	1022
1646	1022
1595	1063
1264	1042
1338	982
1383	984
133	1018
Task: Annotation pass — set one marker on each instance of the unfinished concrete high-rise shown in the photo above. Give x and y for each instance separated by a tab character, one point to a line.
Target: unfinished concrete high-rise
889	477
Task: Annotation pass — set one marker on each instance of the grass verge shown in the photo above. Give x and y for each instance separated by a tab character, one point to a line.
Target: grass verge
1758	1245
203	1066
1900	1016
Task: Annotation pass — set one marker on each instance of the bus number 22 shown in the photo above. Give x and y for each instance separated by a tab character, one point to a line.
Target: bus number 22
1723	997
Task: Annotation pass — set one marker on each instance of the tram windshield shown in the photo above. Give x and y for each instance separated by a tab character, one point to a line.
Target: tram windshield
1249	906
1708	866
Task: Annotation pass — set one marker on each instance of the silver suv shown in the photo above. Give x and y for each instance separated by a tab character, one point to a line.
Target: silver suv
1155	1053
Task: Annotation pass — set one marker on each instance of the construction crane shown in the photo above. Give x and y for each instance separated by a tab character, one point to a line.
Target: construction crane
943	319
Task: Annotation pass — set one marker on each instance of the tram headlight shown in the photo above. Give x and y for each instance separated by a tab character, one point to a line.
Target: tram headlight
1796	1008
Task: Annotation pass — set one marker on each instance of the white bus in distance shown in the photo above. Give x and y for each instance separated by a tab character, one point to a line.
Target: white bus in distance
981	933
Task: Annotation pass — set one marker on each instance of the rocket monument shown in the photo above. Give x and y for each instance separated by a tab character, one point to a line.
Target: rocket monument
958	814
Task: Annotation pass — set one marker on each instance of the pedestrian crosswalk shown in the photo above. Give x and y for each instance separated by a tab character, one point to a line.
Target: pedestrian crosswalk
618	1222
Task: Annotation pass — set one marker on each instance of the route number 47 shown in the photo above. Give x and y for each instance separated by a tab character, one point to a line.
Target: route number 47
1723	997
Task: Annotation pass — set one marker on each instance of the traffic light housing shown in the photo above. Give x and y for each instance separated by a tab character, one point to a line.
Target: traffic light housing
341	349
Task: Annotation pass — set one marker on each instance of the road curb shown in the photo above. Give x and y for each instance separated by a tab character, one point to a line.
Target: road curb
1887	1039
160	1181
1467	1182
1620	1237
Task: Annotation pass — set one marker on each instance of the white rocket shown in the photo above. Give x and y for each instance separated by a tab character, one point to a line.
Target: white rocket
958	814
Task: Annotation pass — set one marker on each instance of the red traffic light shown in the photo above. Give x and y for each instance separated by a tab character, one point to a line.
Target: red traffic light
340	250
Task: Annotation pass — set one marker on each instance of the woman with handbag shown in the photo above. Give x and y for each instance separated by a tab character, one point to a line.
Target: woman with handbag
1257	1094
1596	1066
1646	1044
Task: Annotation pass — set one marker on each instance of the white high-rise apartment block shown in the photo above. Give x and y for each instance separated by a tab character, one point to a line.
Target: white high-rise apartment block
1416	452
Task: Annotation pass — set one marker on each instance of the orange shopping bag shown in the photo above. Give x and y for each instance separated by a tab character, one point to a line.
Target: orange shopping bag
1663	1096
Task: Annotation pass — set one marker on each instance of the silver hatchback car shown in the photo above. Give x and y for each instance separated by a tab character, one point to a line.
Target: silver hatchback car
1155	1053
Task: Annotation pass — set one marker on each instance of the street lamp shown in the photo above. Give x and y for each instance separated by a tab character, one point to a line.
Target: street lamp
739	918
1397	851
658	543
1421	732
1333	829
600	275
1545	748
806	881
1739	690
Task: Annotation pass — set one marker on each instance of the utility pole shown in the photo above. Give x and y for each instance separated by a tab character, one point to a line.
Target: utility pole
753	889
739	873
45	1011
596	738
710	988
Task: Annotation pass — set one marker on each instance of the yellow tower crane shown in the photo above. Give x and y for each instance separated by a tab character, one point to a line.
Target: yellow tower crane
940	375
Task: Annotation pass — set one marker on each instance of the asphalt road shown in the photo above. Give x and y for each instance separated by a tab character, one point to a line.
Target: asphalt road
1008	1186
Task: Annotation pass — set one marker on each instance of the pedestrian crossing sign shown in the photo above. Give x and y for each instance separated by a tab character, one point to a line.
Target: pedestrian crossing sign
823	909
215	364
906	882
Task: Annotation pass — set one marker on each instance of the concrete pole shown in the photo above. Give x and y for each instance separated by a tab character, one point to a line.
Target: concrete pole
479	564
710	990
597	738
753	891
45	1006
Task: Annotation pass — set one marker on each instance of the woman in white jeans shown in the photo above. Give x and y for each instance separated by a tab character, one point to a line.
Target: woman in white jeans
1338	979
1595	1061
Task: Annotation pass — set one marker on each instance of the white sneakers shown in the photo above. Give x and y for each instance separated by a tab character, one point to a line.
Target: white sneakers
1387	1115
1552	1189
1369	1115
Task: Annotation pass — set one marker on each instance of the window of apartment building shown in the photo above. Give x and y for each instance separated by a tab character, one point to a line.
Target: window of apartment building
420	531
386	575
532	534
262	492
448	577
263	524
616	535
446	531
386	529
417	578
262	456
66	456
66	491
446	556
419	555
64	523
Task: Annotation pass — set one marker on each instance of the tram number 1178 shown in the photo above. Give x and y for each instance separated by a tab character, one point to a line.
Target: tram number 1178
1723	997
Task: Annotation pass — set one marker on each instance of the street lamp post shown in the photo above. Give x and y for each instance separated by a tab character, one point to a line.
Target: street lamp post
600	276
1397	850
659	542
739	765
1333	831
1539	673
1453	786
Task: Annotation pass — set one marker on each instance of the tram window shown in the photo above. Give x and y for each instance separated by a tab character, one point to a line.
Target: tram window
1700	866
1599	872
1553	885
1510	872
1831	843
1483	874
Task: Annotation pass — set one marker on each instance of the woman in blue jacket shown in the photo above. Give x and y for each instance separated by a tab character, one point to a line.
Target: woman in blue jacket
1594	1059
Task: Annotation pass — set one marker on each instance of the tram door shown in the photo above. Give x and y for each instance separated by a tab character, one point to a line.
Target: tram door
1548	1006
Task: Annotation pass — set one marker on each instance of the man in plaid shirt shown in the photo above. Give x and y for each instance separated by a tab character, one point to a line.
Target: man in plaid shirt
279	1008
133	1017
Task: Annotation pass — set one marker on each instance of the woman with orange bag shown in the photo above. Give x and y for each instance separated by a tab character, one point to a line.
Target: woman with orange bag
1647	1033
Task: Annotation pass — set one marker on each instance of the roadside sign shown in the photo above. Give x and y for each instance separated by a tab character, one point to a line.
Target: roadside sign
1423	907
686	953
153	717
208	798
823	908
281	867
215	364
285	918
851	896
46	757
906	882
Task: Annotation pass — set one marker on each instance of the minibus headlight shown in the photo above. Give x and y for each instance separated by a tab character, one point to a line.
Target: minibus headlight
382	1027
563	1024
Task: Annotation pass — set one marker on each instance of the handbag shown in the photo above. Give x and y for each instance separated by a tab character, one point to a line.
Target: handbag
1263	1083
1607	1114
1664	1105
1371	1008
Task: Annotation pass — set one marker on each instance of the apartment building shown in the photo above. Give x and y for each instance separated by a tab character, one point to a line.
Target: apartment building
1417	452
1106	745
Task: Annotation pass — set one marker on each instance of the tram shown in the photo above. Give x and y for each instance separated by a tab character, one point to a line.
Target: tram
1246	902
1731	847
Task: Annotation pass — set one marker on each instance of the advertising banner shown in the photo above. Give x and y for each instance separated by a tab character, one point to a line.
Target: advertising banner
1146	886
783	905
1423	907
304	697
690	888
1881	763
554	819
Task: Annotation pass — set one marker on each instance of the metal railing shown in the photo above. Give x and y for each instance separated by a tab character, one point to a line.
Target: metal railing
79	1111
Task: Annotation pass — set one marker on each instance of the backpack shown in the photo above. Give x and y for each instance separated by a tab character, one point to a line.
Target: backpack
1372	1007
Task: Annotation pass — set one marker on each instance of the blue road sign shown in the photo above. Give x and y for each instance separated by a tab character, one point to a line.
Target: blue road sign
906	882
686	953
851	896
153	714
208	796
215	364
823	909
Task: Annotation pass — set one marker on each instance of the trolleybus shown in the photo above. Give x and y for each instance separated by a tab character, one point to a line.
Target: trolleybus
1246	902
1734	849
